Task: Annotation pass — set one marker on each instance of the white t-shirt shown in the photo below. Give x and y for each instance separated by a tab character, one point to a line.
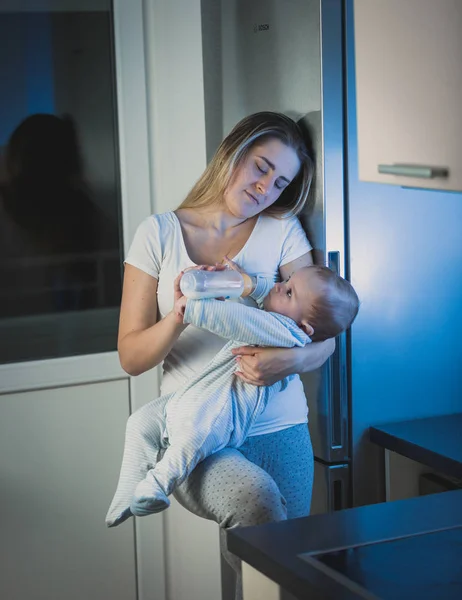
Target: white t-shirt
158	249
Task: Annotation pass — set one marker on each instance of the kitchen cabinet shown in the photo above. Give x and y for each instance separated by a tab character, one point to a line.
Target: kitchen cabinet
60	452
409	92
389	551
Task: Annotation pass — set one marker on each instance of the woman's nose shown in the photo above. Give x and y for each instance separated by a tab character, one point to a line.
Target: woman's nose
264	185
261	189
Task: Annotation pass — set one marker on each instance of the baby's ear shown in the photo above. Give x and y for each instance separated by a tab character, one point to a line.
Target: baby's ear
306	327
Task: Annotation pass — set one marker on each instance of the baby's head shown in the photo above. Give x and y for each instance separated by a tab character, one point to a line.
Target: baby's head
319	301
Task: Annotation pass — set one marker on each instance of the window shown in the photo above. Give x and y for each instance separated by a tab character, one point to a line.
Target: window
60	224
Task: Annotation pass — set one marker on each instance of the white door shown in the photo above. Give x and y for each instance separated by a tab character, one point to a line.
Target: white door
73	190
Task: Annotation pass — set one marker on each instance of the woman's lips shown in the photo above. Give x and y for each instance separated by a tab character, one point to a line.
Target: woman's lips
252	197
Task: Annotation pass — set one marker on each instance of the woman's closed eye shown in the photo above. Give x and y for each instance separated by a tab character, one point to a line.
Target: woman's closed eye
280	183
261	168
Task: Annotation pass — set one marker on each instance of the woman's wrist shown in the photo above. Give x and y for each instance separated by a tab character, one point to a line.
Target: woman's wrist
295	361
176	320
292	361
140	351
314	355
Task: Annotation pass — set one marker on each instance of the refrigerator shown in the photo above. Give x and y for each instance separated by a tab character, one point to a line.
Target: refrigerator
287	56
400	247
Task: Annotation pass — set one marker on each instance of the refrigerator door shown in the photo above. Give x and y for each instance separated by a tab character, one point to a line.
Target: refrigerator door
324	221
259	55
331	489
288	57
327	393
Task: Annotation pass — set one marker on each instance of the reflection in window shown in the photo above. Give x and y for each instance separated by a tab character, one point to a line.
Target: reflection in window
59	195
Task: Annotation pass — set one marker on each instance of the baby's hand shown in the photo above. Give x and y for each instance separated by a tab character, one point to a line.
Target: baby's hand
249	281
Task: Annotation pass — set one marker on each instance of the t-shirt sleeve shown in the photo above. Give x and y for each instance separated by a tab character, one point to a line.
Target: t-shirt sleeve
145	251
244	324
295	242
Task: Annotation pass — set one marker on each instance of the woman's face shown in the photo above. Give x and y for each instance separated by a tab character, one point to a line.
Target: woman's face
259	180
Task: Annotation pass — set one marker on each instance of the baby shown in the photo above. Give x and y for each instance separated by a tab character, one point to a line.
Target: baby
319	301
168	437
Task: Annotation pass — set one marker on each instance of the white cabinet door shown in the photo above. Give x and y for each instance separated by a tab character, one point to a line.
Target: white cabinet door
60	453
409	92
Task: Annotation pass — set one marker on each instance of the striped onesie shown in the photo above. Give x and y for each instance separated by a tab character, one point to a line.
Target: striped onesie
213	410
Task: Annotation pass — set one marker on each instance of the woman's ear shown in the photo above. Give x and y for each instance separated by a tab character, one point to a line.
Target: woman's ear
306	327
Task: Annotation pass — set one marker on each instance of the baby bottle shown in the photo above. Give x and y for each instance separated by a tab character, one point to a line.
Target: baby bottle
228	283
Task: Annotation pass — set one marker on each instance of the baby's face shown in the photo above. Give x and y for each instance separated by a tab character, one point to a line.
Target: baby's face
294	296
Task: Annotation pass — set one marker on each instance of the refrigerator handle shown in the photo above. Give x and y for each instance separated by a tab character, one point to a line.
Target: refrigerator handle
337	383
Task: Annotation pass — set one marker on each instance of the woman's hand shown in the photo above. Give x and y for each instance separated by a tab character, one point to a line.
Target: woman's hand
217	267
178	298
265	366
179	301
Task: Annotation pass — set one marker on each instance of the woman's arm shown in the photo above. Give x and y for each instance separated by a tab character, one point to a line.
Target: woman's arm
144	341
265	366
306	260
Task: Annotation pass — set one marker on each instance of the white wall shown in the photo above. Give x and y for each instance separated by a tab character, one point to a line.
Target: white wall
175	98
178	157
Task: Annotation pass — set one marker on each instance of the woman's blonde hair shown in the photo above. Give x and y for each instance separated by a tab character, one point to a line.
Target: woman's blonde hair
252	130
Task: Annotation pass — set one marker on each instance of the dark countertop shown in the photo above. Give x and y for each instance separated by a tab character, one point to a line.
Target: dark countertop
284	551
433	441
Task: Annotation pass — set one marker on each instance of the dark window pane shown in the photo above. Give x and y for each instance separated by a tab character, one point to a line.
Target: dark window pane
60	227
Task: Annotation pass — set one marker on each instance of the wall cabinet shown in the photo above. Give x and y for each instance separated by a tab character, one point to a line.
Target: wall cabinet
409	92
60	452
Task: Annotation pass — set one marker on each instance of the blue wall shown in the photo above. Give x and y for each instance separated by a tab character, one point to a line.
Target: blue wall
406	264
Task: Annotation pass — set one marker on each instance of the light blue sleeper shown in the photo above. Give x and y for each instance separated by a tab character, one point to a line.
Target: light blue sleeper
212	410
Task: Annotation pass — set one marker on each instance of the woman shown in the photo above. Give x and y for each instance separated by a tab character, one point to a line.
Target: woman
236	209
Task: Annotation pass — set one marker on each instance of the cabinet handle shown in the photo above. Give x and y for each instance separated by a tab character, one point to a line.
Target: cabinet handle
413	171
